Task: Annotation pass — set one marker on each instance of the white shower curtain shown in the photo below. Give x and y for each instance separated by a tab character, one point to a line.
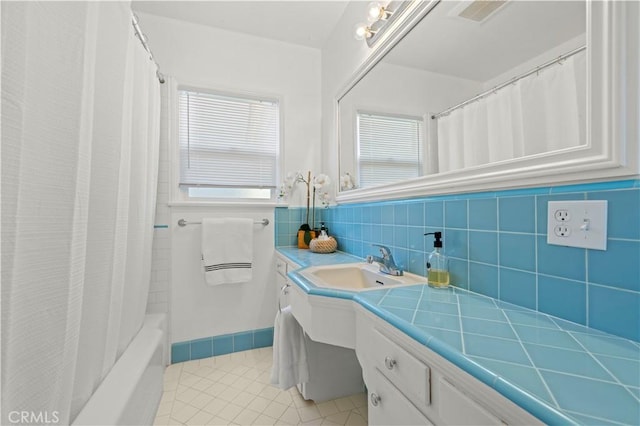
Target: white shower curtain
80	130
540	113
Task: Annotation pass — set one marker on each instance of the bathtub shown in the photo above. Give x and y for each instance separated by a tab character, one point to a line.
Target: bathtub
131	392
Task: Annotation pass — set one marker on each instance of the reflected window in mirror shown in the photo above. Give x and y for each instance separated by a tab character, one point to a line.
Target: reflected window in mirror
390	148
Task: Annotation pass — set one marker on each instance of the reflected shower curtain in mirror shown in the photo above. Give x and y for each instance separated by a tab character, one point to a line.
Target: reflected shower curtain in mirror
540	113
80	131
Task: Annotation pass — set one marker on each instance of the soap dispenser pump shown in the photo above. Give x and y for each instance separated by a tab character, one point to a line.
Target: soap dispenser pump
438	264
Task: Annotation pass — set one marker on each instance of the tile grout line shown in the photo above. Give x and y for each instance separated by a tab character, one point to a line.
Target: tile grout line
544	382
615	378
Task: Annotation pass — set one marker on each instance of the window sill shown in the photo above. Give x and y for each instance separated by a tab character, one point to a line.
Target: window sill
252	204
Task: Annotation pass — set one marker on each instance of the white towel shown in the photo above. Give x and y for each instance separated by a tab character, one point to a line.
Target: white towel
290	365
227	250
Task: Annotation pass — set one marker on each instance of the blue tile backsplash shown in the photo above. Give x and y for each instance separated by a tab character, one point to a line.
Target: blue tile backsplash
497	246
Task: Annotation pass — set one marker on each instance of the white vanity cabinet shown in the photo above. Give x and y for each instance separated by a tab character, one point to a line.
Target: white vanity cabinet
410	384
283	266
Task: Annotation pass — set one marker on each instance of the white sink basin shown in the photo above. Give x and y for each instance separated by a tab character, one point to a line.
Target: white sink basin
357	277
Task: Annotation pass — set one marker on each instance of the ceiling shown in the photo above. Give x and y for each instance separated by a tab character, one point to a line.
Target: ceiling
303	22
447	44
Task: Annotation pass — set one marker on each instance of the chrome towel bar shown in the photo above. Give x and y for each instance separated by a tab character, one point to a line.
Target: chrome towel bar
182	222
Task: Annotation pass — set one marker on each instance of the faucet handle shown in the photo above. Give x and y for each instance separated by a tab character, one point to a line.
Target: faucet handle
384	250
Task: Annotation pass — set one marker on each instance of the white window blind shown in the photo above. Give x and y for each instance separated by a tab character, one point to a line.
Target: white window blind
389	148
227	141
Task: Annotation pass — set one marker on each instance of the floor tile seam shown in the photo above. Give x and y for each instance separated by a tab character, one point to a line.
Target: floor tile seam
616	380
544	382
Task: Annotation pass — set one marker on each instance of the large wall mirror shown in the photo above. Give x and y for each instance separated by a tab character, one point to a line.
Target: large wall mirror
472	91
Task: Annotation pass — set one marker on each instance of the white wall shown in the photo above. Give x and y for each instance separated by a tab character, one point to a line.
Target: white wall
342	55
211	58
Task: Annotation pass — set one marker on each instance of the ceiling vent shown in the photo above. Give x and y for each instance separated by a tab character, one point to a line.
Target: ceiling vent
480	10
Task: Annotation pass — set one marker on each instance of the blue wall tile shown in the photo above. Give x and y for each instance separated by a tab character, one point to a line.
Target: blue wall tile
434	213
455	243
180	352
617	266
622	212
483	247
483	279
565	262
243	341
386	214
455	214
201	348
518	287
525	270
400	236
415	214
517	214
518	251
416	262
459	273
415	238
615	311
562	298
223	344
483	214
400	214
263	338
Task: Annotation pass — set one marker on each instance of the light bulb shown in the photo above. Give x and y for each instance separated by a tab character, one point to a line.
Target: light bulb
361	31
376	11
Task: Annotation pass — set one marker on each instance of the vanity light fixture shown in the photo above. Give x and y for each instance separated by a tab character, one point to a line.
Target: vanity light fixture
379	16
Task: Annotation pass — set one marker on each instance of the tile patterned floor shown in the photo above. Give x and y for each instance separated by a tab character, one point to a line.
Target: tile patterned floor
234	389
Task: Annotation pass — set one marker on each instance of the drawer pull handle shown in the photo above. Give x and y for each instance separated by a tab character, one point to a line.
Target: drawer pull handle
390	362
375	399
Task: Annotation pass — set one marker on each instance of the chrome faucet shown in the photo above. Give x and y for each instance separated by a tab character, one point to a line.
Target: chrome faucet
386	262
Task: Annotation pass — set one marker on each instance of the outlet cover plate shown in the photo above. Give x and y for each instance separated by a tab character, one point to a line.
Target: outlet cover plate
584	223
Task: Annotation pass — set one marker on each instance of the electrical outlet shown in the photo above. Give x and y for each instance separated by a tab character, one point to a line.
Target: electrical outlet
562	215
562	230
577	224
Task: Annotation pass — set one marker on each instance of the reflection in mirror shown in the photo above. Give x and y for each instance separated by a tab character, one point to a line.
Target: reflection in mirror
468	87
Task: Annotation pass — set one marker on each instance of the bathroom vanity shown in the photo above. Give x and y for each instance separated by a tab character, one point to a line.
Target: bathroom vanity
334	371
433	356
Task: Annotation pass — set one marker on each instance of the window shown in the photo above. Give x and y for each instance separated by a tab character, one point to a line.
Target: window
229	145
389	148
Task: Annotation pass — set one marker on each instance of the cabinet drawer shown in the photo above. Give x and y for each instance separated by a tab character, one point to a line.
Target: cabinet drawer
387	405
281	267
456	408
401	368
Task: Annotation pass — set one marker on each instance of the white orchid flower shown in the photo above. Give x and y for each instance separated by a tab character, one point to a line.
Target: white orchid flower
321	181
346	182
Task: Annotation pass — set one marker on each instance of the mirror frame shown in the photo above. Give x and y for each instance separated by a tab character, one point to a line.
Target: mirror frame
611	151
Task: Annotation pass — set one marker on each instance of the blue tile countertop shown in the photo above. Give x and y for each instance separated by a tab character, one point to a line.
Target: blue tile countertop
559	371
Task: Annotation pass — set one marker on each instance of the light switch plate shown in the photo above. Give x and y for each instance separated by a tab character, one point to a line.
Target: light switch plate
577	224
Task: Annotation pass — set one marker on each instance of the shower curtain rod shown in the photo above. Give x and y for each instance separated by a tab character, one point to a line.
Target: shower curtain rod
143	40
513	80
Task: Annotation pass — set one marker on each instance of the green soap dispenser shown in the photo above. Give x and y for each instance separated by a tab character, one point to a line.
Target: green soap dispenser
438	264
